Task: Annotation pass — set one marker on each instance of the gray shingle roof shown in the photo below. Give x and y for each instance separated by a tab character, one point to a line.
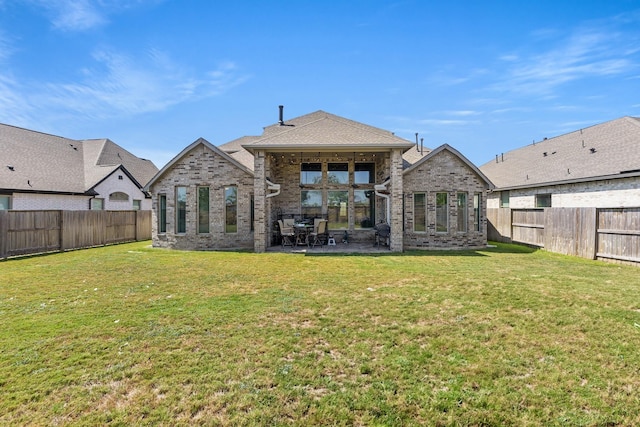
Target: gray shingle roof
322	130
604	150
49	163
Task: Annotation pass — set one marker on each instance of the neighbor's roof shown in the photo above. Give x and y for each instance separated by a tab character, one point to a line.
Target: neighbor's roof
39	162
322	130
604	151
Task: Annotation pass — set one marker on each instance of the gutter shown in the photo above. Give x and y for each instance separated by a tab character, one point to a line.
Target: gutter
272	187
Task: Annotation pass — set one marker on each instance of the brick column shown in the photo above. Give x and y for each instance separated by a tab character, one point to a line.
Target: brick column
259	201
396	241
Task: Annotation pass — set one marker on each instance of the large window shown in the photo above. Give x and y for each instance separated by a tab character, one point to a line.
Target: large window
419	212
311	173
364	205
543	200
231	209
337	205
461	210
477	209
162	213
442	213
504	199
338	173
364	173
181	210
203	209
311	202
5	203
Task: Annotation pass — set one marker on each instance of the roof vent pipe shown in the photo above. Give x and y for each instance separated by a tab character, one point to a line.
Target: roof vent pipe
416	141
281	116
421	146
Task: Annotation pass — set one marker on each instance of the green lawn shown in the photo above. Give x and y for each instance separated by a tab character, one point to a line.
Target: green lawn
129	335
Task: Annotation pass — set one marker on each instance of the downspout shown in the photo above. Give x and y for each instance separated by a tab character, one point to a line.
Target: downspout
272	187
382	191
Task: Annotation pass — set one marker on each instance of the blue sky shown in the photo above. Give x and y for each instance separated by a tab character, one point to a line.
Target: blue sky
154	75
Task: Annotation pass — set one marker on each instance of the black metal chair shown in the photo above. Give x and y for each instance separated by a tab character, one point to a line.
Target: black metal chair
383	232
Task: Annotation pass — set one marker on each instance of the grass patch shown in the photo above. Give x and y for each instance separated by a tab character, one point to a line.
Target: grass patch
128	334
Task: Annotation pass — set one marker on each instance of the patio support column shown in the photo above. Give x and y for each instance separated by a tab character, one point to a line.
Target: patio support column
396	242
259	202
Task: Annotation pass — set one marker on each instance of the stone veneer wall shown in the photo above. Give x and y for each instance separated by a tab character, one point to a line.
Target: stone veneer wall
202	167
445	172
284	169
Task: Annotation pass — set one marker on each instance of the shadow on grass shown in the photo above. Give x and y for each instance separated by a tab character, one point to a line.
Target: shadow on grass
494	247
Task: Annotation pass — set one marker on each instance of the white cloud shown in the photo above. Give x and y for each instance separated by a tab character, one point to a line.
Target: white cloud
586	53
72	15
120	85
445	122
82	15
463	113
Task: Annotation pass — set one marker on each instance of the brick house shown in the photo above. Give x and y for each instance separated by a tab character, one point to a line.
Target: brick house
598	166
39	171
318	165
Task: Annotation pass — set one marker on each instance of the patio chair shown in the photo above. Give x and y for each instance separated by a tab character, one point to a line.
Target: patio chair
286	234
383	231
319	234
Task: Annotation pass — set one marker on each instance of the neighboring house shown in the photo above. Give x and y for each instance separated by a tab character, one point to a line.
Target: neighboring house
40	171
598	166
318	165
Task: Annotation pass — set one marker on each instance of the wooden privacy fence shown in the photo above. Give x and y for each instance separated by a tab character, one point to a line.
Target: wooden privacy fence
594	233
29	232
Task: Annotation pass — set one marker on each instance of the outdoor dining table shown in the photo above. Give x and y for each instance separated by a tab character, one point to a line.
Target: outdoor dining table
302	231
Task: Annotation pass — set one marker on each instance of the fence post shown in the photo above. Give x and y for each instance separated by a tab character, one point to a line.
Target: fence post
136	226
4	233
61	230
596	220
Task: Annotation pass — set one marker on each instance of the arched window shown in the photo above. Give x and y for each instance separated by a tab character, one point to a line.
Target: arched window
118	196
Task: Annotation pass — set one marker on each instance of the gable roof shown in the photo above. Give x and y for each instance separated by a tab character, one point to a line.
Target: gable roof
322	130
40	162
604	151
411	156
463	159
205	143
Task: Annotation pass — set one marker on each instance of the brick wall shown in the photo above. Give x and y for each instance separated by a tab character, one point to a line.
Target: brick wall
622	192
284	169
30	201
445	172
202	167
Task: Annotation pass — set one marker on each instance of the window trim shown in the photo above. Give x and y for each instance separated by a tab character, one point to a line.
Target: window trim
370	205
445	205
95	199
228	228
311	168
477	211
181	214
546	196
162	213
9	201
464	210
204	227
504	195
423	212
